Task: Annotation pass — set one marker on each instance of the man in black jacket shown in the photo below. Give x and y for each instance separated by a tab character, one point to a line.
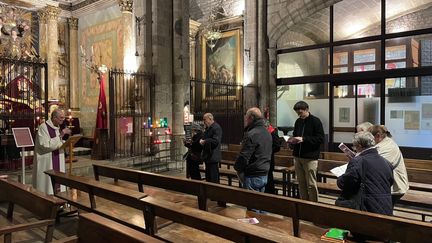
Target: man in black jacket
308	135
211	143
254	158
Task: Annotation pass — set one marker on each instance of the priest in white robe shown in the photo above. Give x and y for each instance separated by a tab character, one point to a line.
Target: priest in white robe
48	155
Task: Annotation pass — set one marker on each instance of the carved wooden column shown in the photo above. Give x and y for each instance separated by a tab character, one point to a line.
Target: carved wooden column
73	63
51	14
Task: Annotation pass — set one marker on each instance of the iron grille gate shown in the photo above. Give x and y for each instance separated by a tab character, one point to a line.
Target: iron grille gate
131	97
225	101
23	102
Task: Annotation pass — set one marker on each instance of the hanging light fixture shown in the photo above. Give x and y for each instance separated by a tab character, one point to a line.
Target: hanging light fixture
212	31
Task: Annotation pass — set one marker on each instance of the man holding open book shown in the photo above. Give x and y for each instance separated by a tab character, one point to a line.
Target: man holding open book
308	135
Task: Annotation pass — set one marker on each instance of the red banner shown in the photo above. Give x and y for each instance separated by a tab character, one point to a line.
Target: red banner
101	117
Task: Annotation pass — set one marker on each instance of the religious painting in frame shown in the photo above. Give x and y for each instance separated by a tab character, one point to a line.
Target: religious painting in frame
222	65
412	120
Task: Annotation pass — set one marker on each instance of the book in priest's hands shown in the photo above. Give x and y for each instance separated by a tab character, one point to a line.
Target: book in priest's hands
71	140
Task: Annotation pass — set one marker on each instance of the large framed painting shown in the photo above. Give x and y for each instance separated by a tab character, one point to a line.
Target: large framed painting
222	65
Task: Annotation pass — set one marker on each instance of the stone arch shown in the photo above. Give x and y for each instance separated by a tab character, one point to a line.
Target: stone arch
287	13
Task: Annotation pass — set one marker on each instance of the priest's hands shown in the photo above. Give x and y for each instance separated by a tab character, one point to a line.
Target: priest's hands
65	131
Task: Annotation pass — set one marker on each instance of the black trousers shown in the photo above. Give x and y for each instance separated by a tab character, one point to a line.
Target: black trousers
192	167
212	172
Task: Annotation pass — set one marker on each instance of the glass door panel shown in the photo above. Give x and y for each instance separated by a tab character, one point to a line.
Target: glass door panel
354	104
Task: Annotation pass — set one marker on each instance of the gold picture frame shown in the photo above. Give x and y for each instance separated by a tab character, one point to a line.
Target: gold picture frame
222	65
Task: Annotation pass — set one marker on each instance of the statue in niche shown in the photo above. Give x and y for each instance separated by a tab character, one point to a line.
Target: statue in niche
16	39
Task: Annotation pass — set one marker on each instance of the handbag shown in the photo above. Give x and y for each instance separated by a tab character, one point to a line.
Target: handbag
356	200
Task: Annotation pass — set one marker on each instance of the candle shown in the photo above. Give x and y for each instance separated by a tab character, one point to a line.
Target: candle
82	50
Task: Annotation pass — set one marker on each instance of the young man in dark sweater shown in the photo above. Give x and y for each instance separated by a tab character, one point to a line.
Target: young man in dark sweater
308	135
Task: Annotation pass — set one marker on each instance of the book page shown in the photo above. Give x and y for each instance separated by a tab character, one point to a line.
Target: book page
340	170
346	150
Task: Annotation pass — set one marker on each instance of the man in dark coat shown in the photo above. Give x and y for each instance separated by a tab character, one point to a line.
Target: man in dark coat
308	135
254	159
211	143
378	176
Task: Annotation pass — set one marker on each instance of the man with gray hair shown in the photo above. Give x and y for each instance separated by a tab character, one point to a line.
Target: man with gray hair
370	174
48	155
254	159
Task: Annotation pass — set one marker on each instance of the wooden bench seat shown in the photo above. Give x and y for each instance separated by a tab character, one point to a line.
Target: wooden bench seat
385	227
89	194
215	224
93	228
43	206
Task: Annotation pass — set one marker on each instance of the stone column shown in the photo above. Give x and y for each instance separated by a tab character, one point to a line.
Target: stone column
193	29
51	14
129	59
272	57
251	96
262	76
181	82
73	64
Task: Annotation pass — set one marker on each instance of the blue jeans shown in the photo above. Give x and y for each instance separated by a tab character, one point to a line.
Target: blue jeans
255	183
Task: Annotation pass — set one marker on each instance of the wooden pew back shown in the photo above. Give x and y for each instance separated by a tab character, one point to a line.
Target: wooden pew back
191	187
93	228
418	164
43	206
283	151
419	175
326	165
229	155
334	156
208	222
303	210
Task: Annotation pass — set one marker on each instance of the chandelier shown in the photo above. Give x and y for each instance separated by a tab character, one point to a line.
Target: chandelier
212	31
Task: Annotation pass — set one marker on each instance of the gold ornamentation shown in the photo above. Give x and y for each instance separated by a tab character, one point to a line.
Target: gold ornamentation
126	6
73	23
51	12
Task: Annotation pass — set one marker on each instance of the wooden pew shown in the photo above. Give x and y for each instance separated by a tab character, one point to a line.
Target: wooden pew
141	178
334	156
208	222
93	228
93	189
303	210
215	224
418	163
409	163
43	206
237	147
420	179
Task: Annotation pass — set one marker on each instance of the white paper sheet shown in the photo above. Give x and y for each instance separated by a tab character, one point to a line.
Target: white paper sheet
340	170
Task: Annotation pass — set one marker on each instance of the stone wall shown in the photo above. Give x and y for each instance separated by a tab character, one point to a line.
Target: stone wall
102	31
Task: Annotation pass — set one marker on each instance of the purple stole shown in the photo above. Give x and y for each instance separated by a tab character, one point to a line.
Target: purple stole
56	153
